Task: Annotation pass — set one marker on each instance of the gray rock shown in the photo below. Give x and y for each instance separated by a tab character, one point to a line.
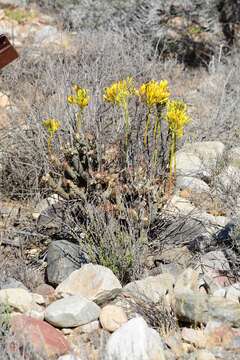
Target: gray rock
194	184
11	283
199	159
213	264
134	340
224	310
71	311
199	308
192	306
63	258
51	218
152	287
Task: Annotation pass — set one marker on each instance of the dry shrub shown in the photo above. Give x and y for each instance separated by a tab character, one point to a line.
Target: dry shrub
15	265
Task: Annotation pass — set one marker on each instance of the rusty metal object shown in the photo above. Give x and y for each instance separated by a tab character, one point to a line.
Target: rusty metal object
7	52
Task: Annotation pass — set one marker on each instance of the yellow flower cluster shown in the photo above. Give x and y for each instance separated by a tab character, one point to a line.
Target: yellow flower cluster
118	92
51	125
154	93
81	97
176	116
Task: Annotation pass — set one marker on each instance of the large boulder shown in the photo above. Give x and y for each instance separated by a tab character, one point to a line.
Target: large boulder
63	258
71	311
191	306
134	340
41	336
89	282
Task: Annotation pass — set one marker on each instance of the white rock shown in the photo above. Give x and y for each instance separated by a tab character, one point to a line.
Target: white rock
208	151
112	317
199	159
89	282
194	184
231	292
67	331
178	205
189	164
71	311
134	340
90	327
69	357
20	299
229	178
153	287
39	299
36	313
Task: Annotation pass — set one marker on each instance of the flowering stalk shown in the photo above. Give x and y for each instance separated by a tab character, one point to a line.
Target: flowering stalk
177	118
153	94
157	136
80	99
126	122
52	126
147	126
172	158
118	94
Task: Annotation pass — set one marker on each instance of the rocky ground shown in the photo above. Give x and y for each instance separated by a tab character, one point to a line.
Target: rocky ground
185	303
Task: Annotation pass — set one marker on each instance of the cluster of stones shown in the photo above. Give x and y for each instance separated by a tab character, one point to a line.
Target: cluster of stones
56	321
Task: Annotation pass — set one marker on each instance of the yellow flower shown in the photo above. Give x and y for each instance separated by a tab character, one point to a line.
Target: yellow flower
176	116
51	125
81	97
119	91
154	93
